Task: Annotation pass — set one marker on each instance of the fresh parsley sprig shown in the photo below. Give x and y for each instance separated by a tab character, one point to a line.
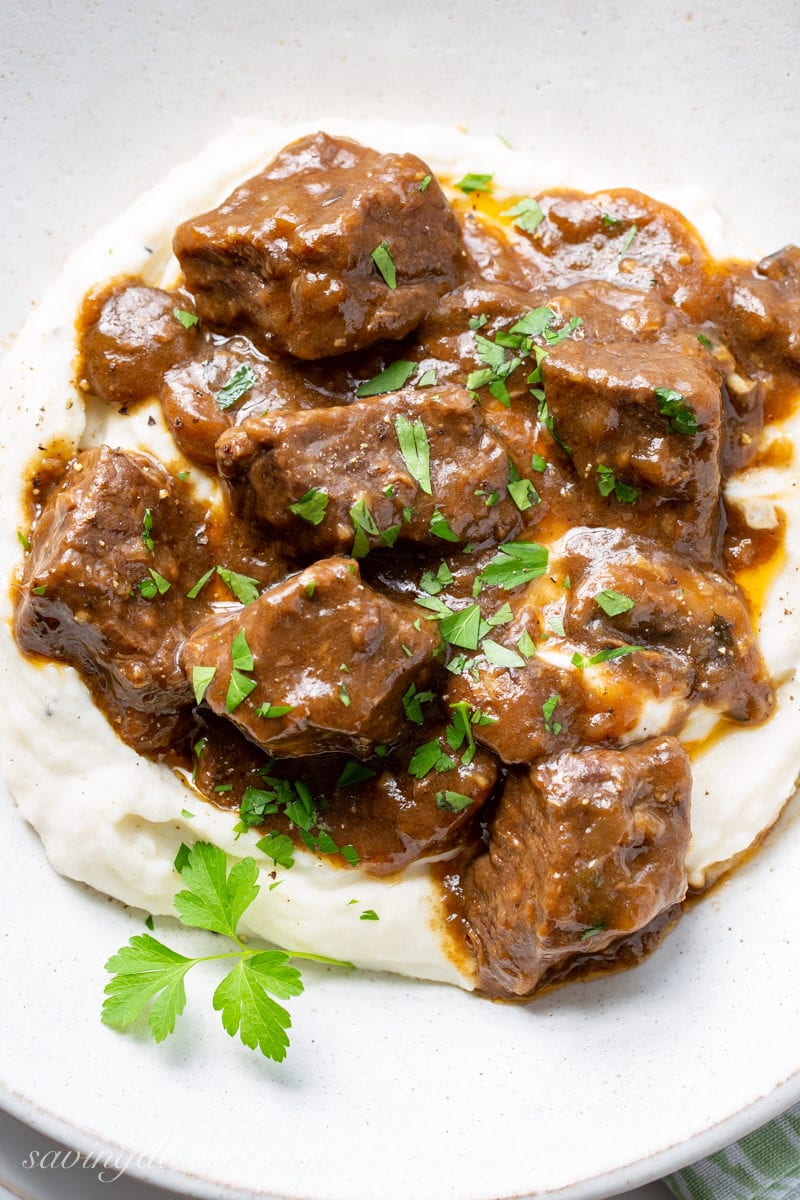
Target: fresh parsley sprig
147	975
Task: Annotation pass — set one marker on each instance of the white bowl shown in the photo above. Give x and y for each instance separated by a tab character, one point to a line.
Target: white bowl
400	1089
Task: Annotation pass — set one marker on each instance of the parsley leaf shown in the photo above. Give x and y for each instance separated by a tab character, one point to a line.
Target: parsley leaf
279	847
528	216
412	704
273	711
440	527
147	528
453	801
147	975
240	383
382	257
515	563
607	483
244	588
500	656
672	404
425	182
195	591
415	450
523	493
475	183
613	603
354	772
427	379
364	525
186	318
156	585
462	628
391	379
581	661
201	678
311	507
241	654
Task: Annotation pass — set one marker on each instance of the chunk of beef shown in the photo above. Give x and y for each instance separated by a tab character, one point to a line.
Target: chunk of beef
204	396
337	654
95	595
547	704
643	422
584	849
129	337
758	310
288	256
697	616
620	236
354	456
395	817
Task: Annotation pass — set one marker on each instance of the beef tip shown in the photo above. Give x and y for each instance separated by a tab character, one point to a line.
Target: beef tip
643	422
759	313
288	256
203	397
280	469
697	616
621	236
90	595
129	337
337	654
585	849
395	818
547	704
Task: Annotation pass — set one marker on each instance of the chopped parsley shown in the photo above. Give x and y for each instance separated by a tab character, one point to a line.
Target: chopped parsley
311	507
415	450
538	463
673	405
515	563
425	183
613	603
607	483
156	585
500	656
453	801
704	341
240	383
548	709
527	215
391	379
147	531
201	678
382	257
581	661
427	379
526	645
440	527
369	914
244	588
195	591
412	704
186	318
429	757
273	711
630	235
475	183
433	584
354	772
279	847
463	628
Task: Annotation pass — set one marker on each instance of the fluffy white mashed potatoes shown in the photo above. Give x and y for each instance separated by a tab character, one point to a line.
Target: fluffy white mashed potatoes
114	819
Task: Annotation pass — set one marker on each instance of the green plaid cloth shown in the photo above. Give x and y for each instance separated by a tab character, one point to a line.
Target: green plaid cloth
765	1165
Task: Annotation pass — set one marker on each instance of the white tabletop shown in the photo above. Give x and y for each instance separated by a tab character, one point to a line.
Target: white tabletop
33	1167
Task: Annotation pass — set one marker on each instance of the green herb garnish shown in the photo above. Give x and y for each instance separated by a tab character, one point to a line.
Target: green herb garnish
607	483
311	507
613	603
391	379
186	318
475	183
527	215
382	257
239	384
415	450
672	404
147	975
